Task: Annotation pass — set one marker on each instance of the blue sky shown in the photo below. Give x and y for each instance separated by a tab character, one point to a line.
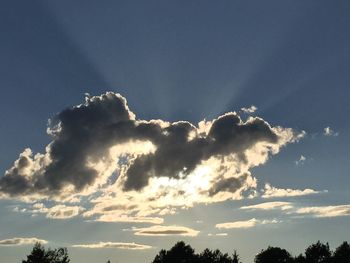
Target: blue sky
181	60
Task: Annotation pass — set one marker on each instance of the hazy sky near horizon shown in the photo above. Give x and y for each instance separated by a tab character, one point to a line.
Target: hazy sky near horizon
250	147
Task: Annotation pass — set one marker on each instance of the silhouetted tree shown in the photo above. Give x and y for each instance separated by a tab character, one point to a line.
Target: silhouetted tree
182	253
179	253
235	257
318	253
342	253
273	255
40	255
299	259
216	256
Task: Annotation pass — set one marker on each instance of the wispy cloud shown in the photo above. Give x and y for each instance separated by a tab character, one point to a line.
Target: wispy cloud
329	132
325	211
166	231
57	211
271	192
117	245
218	235
245	224
17	241
250	109
301	160
269	206
130	219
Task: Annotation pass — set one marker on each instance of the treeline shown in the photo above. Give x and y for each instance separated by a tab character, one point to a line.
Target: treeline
184	253
315	253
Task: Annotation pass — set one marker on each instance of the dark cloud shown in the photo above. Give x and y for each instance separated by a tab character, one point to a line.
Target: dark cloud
177	154
228	185
86	132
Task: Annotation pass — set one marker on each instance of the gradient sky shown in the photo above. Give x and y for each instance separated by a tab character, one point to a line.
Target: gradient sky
185	60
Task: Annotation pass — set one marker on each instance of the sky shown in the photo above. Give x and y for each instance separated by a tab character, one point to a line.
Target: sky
129	125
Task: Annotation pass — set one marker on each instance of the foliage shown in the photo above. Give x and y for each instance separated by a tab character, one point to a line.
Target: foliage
183	253
40	255
318	253
342	253
274	254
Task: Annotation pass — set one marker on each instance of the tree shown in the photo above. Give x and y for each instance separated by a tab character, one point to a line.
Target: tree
273	255
342	253
179	253
182	253
299	259
216	256
318	253
40	255
235	257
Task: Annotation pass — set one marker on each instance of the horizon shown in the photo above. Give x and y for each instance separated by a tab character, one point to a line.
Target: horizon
129	125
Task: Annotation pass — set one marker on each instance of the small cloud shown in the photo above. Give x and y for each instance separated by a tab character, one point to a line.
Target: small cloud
269	206
118	245
251	109
221	234
18	241
166	231
329	132
218	235
245	224
271	192
301	160
326	211
54	212
130	219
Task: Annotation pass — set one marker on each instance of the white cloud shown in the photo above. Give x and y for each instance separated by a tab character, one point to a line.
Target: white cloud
129	219
329	132
117	245
17	241
325	211
301	160
269	206
166	231
218	235
245	224
271	192
250	109
57	211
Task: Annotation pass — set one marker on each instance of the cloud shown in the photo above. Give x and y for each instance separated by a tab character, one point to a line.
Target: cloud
18	241
301	160
118	245
245	224
166	231
251	109
269	206
290	209
271	192
218	235
130	219
57	211
325	211
133	169
329	132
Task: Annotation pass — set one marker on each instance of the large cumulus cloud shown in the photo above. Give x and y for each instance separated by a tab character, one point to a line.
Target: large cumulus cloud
100	144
